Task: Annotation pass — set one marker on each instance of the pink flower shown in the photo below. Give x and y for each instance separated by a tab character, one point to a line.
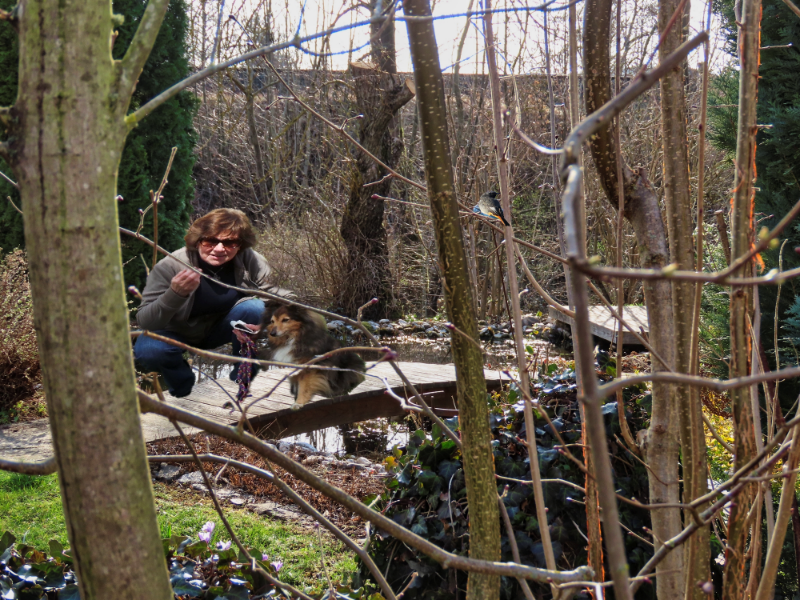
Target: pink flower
265	557
206	532
277	565
223	545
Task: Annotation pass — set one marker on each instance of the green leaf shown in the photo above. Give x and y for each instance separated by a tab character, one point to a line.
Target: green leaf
448	468
227	556
181	587
7	541
237	592
196	549
32	593
70	592
420	528
405	476
55	547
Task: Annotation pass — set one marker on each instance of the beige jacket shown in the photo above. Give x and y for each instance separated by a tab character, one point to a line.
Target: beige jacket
162	308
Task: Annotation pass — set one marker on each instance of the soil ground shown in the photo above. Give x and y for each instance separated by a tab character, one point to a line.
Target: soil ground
357	483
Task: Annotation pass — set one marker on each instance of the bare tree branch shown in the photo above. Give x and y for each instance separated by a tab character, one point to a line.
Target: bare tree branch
131	65
46	467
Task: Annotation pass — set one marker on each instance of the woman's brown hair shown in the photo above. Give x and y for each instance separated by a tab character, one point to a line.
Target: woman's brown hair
218	221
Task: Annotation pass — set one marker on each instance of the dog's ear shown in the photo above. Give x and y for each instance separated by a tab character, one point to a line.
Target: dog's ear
270	306
295	313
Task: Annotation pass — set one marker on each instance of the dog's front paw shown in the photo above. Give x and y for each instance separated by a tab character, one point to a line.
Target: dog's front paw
295	406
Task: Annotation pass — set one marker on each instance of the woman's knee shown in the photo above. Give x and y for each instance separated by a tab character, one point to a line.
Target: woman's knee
249	311
153	353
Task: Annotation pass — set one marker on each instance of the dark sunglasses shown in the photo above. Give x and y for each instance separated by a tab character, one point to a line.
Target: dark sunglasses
209	243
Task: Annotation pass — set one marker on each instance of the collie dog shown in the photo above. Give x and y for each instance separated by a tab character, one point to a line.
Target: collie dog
296	335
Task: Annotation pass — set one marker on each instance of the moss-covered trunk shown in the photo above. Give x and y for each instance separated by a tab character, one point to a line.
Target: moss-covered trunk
484	518
67	135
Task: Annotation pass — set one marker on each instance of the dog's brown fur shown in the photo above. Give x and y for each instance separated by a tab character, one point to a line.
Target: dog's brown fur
296	335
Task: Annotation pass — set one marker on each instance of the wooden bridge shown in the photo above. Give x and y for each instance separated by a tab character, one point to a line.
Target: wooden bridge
270	414
604	325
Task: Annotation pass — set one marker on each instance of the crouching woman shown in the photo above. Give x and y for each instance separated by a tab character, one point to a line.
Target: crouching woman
180	304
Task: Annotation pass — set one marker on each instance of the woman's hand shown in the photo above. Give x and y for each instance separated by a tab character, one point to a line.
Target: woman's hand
185	282
242	336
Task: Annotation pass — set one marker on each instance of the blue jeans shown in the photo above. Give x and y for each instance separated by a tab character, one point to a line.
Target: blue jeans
155	355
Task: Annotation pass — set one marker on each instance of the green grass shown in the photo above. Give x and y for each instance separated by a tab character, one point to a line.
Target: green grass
30	508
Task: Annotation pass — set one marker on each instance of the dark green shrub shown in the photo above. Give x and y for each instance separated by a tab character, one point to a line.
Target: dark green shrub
427	493
147	148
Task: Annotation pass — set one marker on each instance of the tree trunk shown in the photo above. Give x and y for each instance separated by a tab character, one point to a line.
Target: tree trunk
261	187
741	297
677	197
643	213
69	132
473	414
380	94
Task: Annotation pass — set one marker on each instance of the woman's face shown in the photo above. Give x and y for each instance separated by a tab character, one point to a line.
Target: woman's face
219	249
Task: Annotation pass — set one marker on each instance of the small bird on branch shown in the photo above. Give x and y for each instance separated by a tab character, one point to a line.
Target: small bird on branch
489	206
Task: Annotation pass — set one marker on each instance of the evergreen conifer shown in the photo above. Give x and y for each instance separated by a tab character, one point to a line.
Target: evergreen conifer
147	148
777	154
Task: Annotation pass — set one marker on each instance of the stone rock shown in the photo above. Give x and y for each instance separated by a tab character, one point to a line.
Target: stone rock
168	473
237	501
284	446
402	323
337	326
275	510
193	478
363	461
384	322
313	460
225	493
305	447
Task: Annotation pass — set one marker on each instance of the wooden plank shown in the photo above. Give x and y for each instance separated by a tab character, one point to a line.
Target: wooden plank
272	416
604	325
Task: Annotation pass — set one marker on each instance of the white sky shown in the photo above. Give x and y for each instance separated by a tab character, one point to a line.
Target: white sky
448	31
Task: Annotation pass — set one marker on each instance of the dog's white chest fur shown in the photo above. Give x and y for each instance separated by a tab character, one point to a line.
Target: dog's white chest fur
284	354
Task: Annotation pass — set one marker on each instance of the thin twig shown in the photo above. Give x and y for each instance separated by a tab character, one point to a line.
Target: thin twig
9	180
15	206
